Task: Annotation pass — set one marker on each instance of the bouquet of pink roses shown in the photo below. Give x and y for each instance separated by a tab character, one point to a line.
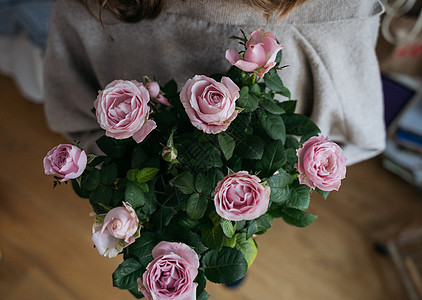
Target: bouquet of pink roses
188	179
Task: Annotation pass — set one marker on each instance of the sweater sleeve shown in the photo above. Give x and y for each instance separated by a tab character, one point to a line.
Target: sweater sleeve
70	83
347	94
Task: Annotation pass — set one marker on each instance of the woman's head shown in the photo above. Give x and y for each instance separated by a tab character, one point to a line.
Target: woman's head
135	10
129	11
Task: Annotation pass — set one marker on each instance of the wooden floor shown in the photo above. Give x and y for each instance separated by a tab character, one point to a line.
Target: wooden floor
47	252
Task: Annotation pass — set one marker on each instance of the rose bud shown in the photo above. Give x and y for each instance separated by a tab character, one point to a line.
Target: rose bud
153	88
171	274
169	154
261	52
321	164
65	161
116	230
210	105
241	196
163	100
122	110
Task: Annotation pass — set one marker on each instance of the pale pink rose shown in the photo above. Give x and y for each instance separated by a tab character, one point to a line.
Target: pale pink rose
117	230
261	52
65	161
153	88
171	274
241	196
122	110
321	164
210	105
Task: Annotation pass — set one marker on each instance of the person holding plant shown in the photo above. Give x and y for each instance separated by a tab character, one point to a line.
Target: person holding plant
328	52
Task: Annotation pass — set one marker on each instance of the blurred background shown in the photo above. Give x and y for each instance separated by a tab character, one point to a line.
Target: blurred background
366	243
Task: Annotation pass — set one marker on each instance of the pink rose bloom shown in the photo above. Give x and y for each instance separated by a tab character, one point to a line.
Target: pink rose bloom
210	105
241	196
321	164
115	230
65	161
171	274
261	52
122	110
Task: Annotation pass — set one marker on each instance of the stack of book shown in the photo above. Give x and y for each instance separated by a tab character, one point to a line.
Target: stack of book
403	118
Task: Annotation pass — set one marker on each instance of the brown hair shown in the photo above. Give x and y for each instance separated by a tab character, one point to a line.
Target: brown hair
135	10
130	11
280	8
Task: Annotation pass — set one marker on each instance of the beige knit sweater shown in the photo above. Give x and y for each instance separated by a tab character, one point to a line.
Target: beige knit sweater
329	47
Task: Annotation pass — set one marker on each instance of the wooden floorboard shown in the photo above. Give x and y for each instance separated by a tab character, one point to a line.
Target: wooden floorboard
47	252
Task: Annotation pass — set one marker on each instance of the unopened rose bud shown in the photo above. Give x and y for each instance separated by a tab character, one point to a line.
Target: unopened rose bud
153	88
169	154
163	100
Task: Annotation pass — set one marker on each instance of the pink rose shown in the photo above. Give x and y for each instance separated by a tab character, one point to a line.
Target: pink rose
153	88
210	105
65	161
241	196
115	230
122	110
171	274
261	52
321	164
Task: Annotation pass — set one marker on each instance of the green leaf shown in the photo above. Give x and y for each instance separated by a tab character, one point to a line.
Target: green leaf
146	174
137	294
225	266
275	210
255	89
142	247
212	235
126	274
227	144
271	106
278	184
273	81
297	124
297	217
180	234
103	195
323	193
251	147
274	157
203	296
264	223
228	228
201	280
139	156
247	247
249	102
108	174
117	198
162	217
215	175
92	181
300	196
289	106
252	228
273	125
203	184
196	206
112	147
170	89
150	203
185	182
134	195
